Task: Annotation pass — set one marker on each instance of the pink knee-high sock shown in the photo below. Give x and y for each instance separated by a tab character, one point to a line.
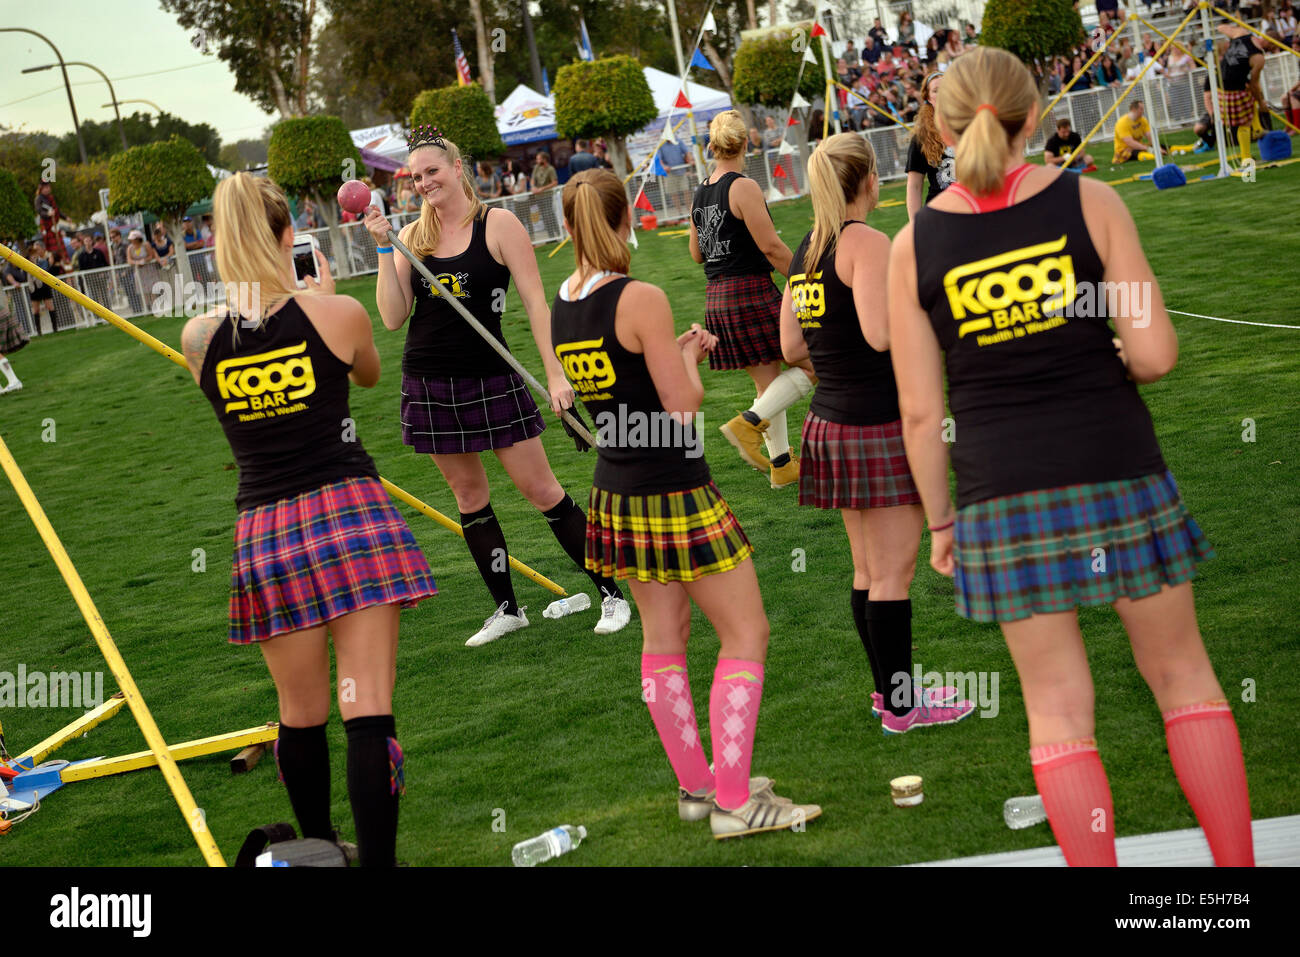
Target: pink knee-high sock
733	716
666	690
1206	754
1076	796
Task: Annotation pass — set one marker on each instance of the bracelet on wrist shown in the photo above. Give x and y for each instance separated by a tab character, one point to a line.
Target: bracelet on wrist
944	527
383	249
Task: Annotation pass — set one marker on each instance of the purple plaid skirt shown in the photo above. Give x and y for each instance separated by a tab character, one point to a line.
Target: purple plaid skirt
854	466
450	416
307	559
744	312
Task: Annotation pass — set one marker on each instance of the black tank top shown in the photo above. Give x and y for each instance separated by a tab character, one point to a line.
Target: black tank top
728	248
281	397
642	450
1039	400
1235	65
855	383
441	343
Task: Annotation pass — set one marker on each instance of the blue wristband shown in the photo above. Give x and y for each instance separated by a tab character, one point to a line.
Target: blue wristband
383	249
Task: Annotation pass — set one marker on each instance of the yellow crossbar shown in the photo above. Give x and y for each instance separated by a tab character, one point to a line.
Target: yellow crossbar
75	730
181	752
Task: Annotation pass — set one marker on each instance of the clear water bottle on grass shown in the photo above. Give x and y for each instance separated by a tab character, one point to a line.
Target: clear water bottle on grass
1021	812
544	847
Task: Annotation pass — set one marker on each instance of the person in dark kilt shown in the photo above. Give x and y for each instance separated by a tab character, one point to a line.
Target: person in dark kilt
320	551
733	236
655	516
834	314
42	295
1239	71
12	338
459	397
1063	496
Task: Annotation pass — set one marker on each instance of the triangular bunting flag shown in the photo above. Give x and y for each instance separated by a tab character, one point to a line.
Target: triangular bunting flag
809	56
778	171
700	60
669	135
798	101
792	122
643	202
709	23
657	167
785	149
774	195
817	31
682	103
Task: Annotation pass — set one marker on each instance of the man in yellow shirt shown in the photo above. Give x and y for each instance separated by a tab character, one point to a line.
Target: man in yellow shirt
1132	134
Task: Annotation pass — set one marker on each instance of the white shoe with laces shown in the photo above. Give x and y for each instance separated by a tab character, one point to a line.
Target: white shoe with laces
615	613
499	624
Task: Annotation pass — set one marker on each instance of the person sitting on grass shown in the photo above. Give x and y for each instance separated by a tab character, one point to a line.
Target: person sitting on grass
1061	149
1132	134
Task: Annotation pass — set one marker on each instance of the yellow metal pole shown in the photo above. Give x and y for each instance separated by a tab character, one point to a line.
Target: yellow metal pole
163	349
1243	23
886	113
1047	110
180	791
79	727
232	741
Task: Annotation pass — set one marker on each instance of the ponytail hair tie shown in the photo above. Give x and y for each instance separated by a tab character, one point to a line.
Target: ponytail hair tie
987	106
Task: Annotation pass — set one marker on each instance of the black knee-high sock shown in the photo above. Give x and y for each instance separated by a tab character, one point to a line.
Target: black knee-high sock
569	526
487	546
890	626
859	603
303	757
375	780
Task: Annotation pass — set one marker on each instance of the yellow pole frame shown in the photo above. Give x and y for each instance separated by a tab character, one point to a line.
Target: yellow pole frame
892	118
232	741
1047	110
1243	23
79	727
165	350
180	791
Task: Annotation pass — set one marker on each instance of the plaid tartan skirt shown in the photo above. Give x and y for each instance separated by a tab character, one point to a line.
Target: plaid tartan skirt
1054	549
744	312
1237	107
305	560
676	536
449	416
854	466
12	335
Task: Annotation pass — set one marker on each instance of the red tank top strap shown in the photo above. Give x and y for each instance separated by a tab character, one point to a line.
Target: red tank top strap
964	193
999	199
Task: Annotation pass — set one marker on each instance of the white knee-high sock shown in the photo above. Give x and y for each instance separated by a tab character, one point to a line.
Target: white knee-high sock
776	438
8	370
786	389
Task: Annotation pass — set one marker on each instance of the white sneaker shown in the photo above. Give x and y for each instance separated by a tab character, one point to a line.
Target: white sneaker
694	806
764	811
615	613
499	624
567	606
12	387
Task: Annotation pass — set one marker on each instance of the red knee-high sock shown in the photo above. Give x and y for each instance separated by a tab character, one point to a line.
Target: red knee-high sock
1076	796
1206	754
666	690
733	716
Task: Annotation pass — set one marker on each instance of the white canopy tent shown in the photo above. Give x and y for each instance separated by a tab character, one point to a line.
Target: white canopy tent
706	103
526	116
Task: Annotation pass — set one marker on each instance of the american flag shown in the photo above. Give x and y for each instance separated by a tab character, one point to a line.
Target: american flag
462	65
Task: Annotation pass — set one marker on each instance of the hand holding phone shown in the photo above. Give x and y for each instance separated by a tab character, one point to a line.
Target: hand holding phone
305	249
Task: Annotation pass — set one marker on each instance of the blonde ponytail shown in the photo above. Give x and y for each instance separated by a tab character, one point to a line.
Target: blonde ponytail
836	172
249	217
986	97
594	209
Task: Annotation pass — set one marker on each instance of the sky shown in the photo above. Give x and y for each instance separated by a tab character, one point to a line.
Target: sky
124	38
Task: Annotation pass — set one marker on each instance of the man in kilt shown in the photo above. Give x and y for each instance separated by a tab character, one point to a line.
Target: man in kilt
1063	496
1239	89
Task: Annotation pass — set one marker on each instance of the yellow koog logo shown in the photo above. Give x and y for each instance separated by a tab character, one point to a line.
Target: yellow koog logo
586	364
808	298
266	380
1008	289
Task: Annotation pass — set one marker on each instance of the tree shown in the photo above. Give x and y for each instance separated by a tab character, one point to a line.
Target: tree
353	96
766	68
1032	29
164	179
102	139
77	188
17	221
606	98
313	156
267	44
481	42
464	115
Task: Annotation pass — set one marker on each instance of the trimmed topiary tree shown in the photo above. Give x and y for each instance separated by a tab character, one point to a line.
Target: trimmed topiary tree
464	115
607	98
1032	29
766	68
164	179
17	220
313	156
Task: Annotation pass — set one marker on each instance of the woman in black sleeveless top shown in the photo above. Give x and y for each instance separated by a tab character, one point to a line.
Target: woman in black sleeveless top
318	545
655	516
1063	497
733	236
834	313
459	397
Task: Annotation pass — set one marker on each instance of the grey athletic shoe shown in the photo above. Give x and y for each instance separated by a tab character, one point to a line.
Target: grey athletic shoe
764	811
696	807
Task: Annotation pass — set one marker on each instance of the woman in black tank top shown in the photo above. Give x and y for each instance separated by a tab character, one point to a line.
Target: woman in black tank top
1063	498
834	312
318	545
733	236
657	519
459	397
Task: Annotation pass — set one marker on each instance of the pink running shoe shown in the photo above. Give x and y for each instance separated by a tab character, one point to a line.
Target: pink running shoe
929	697
925	716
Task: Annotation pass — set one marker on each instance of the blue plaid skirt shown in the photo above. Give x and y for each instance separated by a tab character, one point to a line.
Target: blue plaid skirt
450	416
1052	550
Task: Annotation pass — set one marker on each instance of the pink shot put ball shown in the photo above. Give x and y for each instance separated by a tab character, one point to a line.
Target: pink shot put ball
354	196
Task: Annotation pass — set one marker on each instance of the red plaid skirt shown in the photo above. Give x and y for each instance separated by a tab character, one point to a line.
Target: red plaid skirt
854	466
744	312
1237	107
305	560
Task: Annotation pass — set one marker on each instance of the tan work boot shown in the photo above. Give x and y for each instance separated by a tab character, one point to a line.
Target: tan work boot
748	441
788	474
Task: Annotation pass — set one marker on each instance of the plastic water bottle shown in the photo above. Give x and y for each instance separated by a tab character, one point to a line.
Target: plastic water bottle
544	847
1021	812
567	606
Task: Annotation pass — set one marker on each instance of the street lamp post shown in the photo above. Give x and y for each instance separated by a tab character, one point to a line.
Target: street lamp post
112	95
149	102
76	125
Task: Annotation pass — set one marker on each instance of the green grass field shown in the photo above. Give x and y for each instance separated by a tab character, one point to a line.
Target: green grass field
547	726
